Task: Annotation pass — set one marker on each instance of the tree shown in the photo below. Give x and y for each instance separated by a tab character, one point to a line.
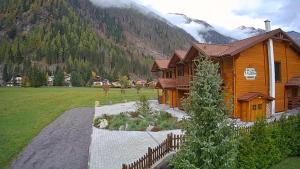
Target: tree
59	77
106	87
36	77
210	141
6	75
138	88
76	79
124	83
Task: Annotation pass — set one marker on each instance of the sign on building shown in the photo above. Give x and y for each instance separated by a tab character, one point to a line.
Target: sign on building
250	73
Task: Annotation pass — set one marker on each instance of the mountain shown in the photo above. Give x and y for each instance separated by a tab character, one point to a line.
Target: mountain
199	29
295	36
245	32
76	35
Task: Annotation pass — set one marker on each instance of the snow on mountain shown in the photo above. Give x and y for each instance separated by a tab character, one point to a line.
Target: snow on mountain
199	29
243	32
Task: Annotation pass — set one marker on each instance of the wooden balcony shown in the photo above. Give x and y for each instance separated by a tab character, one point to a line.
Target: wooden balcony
183	82
293	102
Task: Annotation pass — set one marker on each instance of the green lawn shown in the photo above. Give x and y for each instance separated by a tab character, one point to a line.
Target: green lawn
24	112
289	163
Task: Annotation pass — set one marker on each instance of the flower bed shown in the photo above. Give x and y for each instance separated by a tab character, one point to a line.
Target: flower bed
138	121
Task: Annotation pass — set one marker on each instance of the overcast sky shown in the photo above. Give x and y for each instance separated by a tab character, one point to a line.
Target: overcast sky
230	14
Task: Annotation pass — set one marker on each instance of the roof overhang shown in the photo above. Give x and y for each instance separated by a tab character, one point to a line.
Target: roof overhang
163	83
253	95
293	82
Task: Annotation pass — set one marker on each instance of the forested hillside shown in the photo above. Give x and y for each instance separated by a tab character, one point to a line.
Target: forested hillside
75	36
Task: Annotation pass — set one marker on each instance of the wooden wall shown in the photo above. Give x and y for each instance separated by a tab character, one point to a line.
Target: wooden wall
254	57
257	57
226	65
280	56
293	63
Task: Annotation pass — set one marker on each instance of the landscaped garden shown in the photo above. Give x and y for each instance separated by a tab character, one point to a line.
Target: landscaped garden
140	120
24	112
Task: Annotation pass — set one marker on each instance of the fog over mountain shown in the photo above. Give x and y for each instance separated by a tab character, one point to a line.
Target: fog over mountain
201	30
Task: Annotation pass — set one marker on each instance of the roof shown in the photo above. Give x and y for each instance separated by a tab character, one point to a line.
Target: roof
252	95
212	49
293	82
165	83
178	55
160	64
220	50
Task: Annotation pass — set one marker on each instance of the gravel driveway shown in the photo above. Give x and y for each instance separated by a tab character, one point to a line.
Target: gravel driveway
64	144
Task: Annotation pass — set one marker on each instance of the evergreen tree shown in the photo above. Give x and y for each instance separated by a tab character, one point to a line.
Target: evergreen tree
6	77
210	141
59	77
76	79
124	83
36	77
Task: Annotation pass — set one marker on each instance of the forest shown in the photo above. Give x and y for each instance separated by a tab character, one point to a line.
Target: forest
40	38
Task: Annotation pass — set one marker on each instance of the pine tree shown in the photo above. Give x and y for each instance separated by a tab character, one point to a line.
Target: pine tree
76	79
6	76
210	141
59	77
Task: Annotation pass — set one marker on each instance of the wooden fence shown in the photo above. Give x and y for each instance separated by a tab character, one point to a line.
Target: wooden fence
171	143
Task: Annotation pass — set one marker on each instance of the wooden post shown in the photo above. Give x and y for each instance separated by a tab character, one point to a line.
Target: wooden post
149	157
171	142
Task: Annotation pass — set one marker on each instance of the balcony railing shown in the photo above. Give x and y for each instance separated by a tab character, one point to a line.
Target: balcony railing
183	82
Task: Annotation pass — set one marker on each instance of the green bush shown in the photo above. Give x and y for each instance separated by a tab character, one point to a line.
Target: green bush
117	121
267	144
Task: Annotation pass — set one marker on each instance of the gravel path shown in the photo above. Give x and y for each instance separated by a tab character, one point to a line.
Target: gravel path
64	144
110	149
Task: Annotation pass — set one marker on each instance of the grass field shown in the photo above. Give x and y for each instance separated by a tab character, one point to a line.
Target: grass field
289	163
24	112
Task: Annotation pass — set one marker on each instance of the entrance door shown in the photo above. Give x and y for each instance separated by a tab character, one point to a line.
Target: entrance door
258	109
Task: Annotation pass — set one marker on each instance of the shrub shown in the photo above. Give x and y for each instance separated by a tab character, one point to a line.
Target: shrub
167	125
267	144
143	105
246	155
118	121
164	115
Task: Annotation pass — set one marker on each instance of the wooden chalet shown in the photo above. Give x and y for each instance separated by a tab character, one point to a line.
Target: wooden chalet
261	74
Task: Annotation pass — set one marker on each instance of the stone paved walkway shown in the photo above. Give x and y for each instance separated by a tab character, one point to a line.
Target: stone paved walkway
110	149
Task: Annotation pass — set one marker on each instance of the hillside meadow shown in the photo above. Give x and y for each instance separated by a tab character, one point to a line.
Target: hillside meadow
24	112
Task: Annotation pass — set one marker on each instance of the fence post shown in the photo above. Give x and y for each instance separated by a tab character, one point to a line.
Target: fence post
171	141
149	157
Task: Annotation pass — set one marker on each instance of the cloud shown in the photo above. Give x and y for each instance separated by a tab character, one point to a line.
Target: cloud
282	13
114	3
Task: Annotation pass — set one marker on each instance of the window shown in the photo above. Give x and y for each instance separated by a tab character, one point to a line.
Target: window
180	70
259	106
277	72
253	107
169	74
294	92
